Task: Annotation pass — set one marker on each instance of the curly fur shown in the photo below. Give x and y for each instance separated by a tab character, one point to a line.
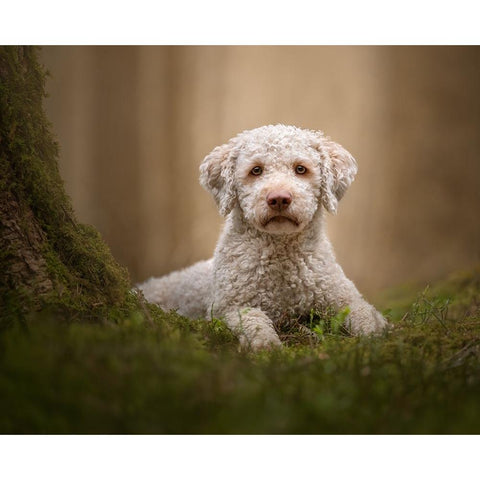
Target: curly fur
272	261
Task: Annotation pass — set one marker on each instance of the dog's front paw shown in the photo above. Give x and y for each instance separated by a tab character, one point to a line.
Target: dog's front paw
366	320
262	339
254	329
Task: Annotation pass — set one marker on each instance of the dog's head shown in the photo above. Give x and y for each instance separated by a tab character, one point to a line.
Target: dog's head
278	176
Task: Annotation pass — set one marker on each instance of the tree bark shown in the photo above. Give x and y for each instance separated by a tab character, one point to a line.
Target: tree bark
46	257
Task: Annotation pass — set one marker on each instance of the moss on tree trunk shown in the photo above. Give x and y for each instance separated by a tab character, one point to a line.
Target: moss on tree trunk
46	257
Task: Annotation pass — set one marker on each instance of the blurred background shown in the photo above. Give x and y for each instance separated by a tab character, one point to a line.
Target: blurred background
134	123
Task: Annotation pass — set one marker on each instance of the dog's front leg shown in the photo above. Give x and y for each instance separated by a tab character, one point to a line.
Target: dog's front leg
363	318
254	329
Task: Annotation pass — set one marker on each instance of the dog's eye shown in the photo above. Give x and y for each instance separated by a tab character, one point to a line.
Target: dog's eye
300	169
256	170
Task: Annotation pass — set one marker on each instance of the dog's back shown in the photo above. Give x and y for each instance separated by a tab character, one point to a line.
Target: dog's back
187	291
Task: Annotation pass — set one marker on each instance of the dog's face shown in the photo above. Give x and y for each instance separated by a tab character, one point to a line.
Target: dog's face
278	176
278	187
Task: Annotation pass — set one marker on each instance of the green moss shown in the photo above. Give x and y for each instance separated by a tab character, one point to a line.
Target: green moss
147	371
82	270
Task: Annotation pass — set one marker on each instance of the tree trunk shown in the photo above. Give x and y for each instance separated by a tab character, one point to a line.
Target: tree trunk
46	257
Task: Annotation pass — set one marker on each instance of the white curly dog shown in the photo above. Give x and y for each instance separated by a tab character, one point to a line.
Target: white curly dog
273	259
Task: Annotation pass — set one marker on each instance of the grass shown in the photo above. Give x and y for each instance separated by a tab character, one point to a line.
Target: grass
146	371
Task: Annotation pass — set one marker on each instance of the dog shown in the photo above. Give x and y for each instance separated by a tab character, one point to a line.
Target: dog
273	259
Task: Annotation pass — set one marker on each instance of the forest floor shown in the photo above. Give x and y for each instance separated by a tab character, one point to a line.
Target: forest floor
145	371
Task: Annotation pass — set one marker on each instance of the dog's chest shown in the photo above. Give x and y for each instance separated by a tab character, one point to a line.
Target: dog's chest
280	281
286	285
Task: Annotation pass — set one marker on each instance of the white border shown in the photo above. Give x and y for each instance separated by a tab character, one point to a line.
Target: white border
238	457
246	22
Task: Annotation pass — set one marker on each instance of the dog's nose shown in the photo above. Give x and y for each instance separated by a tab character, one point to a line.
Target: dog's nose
279	200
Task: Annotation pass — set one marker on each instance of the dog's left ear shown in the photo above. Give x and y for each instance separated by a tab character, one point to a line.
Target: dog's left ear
338	171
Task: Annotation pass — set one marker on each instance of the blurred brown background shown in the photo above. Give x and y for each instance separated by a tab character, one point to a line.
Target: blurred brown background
134	123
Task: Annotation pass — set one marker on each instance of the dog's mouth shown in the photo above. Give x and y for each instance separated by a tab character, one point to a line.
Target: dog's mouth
279	220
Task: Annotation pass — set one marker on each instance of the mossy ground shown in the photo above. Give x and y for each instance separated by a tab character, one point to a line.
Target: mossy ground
146	371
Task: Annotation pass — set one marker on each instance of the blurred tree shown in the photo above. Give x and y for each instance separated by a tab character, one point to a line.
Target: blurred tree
46	257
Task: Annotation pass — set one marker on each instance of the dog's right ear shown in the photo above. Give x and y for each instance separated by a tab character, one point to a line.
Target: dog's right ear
217	175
